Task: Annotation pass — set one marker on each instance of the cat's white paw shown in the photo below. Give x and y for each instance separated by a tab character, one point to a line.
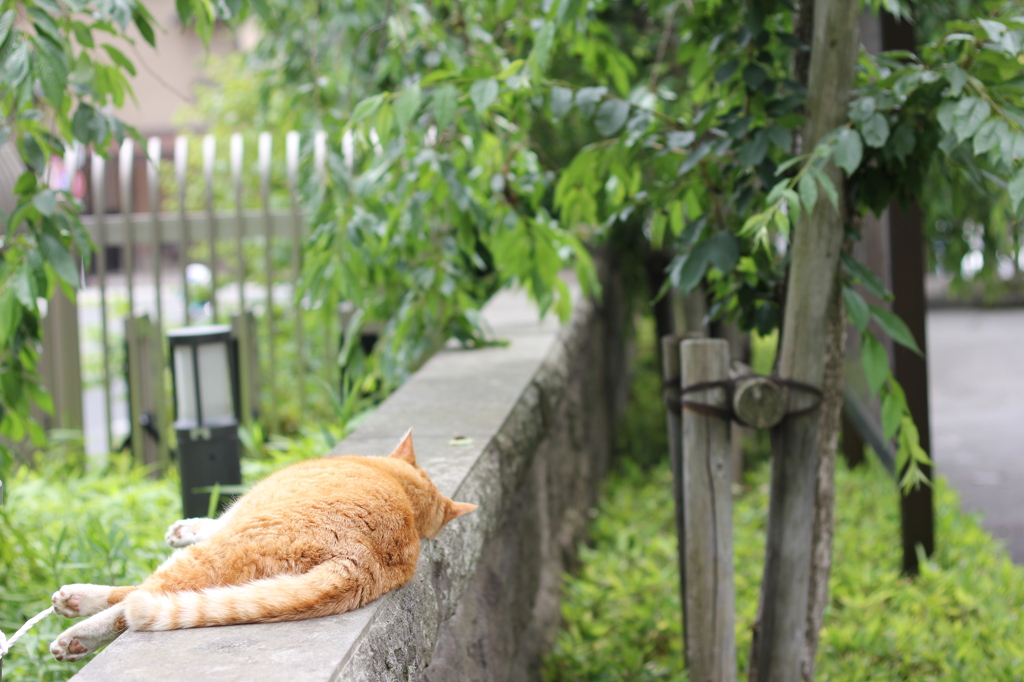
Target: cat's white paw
188	532
77	600
86	637
69	649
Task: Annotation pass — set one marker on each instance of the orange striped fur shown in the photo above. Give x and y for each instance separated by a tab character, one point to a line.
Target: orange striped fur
317	538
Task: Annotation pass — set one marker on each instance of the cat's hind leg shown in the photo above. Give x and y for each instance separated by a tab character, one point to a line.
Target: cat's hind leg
190	531
81	600
84	638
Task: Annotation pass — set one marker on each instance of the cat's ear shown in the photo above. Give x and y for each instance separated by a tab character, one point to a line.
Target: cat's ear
457	509
403	450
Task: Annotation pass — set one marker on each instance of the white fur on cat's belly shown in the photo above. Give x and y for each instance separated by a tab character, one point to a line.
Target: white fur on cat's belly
91	600
190	531
91	633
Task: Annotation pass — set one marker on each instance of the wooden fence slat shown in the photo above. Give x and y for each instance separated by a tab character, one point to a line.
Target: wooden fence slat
126	162
99	202
707	516
209	159
241	322
180	175
291	142
265	150
153	153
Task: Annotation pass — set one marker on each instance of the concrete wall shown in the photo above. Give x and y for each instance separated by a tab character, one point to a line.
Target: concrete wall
483	604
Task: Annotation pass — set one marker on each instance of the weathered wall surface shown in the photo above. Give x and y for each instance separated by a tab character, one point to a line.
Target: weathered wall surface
539	416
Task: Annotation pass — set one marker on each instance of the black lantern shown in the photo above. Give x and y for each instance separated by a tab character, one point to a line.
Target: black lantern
204	367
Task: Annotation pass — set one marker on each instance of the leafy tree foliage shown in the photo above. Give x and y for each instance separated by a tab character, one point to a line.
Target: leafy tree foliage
473	144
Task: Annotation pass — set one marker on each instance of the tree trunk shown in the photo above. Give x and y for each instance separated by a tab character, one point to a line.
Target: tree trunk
829	424
781	641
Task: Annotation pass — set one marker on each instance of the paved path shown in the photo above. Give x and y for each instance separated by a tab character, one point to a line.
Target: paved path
976	369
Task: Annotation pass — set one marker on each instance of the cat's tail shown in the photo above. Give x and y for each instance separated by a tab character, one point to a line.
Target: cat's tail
330	588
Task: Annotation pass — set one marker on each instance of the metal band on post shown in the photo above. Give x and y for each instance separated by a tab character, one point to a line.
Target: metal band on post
754	400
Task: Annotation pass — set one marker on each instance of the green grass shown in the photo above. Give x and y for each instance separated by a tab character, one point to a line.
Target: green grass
961	619
59	526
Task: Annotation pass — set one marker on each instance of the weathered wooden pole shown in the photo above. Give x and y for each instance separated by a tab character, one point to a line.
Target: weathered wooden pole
709	592
779	643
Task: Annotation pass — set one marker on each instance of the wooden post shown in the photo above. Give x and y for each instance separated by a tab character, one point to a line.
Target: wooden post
709	599
671	376
243	328
149	416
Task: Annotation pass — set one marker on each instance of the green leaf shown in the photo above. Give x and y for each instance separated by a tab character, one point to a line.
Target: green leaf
587	99
443	103
862	109
808	189
876	131
118	58
367	107
1016	189
726	70
45	201
780	137
1011	147
53	70
875	361
944	115
82	123
754	150
142	21
896	328
863	274
902	141
857	308
720	250
59	259
658	224
6	21
990	135
44	23
754	76
26	183
16	66
10	315
957	78
825	182
675	215
561	101
968	116
611	116
384	121
482	93
540	55
511	70
406	105
849	151
892	415
21	285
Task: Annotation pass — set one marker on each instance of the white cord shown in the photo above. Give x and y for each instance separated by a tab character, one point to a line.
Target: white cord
6	644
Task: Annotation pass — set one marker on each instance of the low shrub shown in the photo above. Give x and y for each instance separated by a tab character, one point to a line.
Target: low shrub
961	619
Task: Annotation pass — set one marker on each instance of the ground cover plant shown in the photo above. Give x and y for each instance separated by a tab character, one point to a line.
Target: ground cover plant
962	618
60	525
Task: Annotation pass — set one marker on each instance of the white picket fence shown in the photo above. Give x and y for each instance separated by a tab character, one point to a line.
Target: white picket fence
82	339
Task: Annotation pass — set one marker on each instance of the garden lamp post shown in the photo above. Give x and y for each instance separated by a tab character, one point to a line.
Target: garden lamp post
204	367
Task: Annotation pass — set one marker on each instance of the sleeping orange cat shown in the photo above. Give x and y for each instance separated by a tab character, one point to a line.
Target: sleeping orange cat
317	538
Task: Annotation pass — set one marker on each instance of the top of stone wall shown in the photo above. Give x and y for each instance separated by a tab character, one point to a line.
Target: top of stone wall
486	397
